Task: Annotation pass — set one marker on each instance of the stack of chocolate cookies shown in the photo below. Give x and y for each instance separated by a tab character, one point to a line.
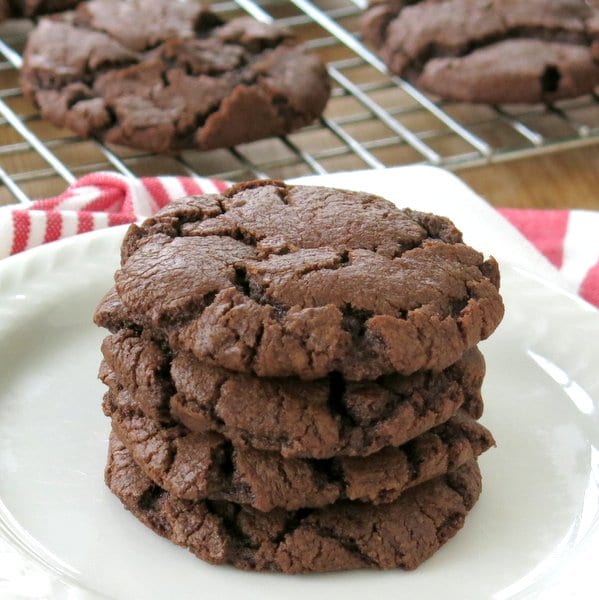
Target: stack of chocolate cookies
294	382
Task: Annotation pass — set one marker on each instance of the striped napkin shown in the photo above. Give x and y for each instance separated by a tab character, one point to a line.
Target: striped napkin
567	238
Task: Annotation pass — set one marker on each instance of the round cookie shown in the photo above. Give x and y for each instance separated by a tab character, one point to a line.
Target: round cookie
346	535
280	280
195	466
315	419
164	76
322	418
489	51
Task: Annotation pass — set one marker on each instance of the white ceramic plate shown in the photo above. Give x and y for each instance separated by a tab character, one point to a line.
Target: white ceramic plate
62	535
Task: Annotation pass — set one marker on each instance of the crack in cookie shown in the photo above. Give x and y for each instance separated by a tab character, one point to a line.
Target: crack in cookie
345	535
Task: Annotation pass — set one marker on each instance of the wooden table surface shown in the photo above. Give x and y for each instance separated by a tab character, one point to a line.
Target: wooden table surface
561	180
567	179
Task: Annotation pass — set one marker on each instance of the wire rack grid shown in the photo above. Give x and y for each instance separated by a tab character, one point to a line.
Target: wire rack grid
373	120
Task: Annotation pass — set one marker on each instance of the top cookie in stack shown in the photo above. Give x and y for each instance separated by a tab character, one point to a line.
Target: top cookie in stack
290	367
281	281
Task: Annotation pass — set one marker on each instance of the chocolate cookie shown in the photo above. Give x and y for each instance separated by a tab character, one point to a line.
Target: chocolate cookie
346	535
195	466
490	51
142	367
316	419
33	8
281	280
164	76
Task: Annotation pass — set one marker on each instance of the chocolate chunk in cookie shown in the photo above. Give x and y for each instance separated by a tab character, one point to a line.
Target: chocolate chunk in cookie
164	76
346	535
489	51
281	280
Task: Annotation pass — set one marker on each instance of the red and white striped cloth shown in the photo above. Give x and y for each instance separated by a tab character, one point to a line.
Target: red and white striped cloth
568	238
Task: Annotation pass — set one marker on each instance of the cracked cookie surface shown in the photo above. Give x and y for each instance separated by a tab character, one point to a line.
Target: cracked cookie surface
489	51
164	76
195	466
305	419
346	535
280	280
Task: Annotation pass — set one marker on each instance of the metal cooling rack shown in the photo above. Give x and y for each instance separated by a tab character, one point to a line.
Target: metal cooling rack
373	119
